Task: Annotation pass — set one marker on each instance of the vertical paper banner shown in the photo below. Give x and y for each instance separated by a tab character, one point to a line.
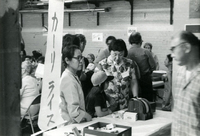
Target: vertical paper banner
49	108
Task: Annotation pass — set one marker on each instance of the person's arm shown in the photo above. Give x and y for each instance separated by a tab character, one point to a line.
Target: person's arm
100	57
151	61
100	99
71	97
102	112
156	61
134	83
81	73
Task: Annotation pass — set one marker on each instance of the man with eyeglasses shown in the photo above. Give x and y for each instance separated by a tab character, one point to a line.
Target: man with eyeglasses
185	48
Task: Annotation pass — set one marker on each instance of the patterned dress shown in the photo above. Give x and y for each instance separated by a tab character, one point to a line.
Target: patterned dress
119	88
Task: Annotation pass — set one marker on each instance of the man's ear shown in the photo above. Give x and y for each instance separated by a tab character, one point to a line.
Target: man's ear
67	60
187	48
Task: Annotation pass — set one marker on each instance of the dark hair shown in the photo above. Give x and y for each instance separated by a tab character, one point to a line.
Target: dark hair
92	56
110	38
23	55
135	38
76	41
150	45
189	37
42	59
81	38
68	52
22	46
119	45
30	57
67	40
169	57
36	54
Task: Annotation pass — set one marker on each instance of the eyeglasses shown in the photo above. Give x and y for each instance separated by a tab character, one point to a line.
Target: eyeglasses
115	54
174	47
79	58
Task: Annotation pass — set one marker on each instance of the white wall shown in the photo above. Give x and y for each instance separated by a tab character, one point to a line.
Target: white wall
152	19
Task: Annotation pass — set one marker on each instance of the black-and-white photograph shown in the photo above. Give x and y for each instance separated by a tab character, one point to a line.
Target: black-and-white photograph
99	68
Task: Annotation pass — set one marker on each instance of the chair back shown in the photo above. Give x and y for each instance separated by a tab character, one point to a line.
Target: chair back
33	112
36	100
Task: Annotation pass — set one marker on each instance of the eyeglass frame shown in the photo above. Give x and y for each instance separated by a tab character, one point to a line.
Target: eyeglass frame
79	58
174	47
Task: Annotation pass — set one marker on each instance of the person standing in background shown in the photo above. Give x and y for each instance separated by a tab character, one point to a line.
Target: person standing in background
167	96
80	41
104	53
146	65
125	83
185	48
149	47
91	65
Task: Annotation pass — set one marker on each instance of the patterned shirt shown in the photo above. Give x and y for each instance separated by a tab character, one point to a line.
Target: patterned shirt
119	87
186	113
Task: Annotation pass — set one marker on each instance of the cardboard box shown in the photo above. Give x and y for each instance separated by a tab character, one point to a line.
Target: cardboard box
96	129
131	116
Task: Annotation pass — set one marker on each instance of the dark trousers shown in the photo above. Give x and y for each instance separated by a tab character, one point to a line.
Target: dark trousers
146	87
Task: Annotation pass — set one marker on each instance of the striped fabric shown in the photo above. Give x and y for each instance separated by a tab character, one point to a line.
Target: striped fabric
186	112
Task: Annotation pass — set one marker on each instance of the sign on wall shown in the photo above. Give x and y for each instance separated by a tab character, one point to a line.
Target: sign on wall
97	37
49	108
130	30
194	10
194	28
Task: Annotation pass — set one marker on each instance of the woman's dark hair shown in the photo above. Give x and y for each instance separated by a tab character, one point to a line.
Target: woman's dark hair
81	38
36	54
23	55
67	40
68	52
92	56
41	59
169	57
135	38
32	59
110	38
150	45
119	45
22	46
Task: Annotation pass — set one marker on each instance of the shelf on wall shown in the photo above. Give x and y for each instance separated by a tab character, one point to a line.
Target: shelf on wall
42	9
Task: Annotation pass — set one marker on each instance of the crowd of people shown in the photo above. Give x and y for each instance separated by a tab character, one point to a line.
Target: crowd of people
100	84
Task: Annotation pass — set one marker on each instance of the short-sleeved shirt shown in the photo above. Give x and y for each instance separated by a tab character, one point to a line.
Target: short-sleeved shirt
186	112
119	88
99	99
143	58
104	53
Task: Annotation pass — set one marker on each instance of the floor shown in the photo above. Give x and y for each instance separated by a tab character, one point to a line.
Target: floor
28	132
